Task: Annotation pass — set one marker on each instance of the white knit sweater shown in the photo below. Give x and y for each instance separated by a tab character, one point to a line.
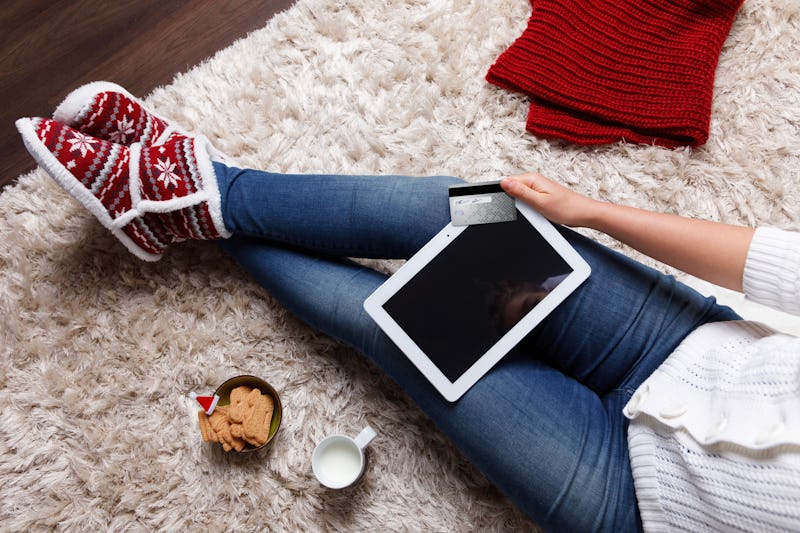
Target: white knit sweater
715	432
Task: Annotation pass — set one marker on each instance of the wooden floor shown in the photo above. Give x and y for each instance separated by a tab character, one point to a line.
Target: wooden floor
49	47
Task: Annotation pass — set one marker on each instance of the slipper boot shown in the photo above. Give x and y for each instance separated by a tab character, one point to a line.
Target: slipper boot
147	196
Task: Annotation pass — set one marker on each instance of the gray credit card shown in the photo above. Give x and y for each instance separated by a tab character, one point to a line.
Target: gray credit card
480	203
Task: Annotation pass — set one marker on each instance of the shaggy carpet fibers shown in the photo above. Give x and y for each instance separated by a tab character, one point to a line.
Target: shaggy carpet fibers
98	350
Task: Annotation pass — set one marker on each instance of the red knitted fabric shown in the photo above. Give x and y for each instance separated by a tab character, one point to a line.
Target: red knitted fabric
601	71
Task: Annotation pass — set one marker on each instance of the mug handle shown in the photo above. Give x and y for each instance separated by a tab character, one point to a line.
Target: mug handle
364	438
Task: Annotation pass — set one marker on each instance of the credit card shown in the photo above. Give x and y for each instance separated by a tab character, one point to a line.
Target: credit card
480	203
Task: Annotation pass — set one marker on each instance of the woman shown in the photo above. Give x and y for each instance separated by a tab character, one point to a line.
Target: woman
638	403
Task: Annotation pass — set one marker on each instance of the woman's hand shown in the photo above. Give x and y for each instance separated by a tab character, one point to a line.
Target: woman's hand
553	201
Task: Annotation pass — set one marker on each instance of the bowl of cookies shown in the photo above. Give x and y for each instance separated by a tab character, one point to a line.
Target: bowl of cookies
246	417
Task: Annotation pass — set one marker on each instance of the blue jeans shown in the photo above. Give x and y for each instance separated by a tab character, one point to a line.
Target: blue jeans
546	424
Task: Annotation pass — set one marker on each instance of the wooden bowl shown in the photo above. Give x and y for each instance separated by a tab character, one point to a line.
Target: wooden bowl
224	393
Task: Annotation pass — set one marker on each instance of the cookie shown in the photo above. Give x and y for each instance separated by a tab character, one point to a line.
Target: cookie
208	433
257	417
238	403
220	423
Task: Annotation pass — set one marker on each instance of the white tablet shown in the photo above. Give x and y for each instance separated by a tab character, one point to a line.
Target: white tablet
472	293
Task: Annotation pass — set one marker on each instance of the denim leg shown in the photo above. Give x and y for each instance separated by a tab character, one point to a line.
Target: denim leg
545	425
387	217
548	442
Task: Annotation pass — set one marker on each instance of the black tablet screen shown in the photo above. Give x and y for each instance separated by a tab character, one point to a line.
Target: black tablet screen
476	289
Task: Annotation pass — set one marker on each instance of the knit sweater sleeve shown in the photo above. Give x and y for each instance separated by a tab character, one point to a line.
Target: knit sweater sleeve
772	269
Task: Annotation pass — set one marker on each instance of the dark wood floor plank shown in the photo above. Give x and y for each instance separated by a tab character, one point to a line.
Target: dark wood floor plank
52	46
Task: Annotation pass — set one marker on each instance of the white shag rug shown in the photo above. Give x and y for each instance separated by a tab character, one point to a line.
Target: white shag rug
98	350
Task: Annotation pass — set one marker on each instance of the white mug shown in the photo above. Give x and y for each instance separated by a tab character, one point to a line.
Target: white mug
339	460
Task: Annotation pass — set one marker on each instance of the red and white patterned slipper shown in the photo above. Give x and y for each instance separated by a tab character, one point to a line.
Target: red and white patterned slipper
108	111
148	196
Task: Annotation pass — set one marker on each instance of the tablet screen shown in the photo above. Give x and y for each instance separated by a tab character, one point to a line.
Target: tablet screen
475	290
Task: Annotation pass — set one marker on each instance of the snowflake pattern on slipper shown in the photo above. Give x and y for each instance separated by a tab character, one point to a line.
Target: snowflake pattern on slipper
107	111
